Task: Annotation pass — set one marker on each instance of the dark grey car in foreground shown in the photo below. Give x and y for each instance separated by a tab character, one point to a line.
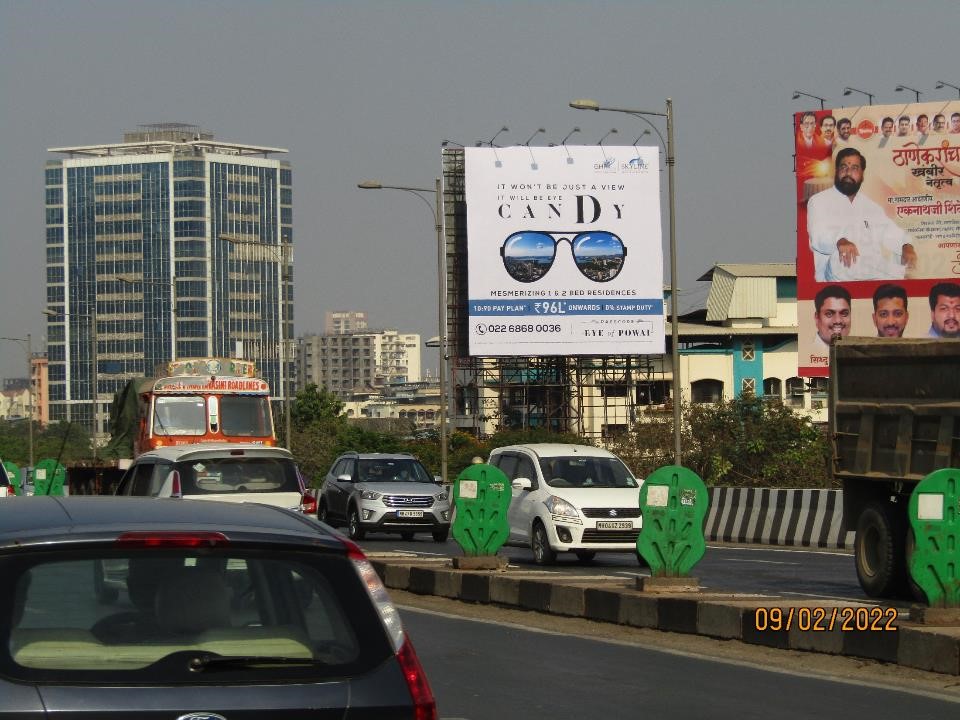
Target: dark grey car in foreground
221	611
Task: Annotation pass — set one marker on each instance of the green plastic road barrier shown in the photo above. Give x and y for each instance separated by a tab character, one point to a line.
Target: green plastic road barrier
674	503
934	512
13	476
48	477
481	495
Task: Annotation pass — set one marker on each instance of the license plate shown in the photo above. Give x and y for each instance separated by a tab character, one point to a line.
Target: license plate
615	525
409	513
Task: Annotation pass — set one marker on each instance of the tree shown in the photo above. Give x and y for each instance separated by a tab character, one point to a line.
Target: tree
314	404
746	442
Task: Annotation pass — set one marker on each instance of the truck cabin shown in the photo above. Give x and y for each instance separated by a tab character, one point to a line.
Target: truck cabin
220	410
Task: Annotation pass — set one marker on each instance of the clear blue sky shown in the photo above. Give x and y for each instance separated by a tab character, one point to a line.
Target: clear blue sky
367	90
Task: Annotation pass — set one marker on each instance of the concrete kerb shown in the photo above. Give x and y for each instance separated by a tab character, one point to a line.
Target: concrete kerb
717	615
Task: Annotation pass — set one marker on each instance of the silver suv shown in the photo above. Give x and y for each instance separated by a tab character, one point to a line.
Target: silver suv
379	492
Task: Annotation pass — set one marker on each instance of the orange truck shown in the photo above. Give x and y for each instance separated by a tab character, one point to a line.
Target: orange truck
196	400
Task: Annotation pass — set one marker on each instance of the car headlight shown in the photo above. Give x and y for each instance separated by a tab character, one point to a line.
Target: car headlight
440	496
559	506
370	495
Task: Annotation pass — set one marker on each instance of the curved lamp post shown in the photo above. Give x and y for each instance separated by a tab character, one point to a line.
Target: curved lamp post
436	210
671	162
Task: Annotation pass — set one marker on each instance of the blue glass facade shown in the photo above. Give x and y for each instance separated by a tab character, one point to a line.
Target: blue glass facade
135	259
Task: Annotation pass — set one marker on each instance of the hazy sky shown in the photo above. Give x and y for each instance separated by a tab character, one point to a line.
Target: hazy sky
368	90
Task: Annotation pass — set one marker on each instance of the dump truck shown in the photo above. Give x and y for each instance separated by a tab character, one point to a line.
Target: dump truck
894	418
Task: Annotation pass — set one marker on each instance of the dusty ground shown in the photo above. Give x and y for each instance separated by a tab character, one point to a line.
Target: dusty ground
854	670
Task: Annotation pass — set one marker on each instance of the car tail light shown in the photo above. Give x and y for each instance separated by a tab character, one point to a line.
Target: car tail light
308	503
378	593
176	490
171	539
425	706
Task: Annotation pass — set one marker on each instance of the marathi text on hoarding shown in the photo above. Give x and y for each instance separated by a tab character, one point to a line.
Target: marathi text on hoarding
878	224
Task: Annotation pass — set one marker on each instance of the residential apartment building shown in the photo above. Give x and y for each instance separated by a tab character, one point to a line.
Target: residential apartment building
169	245
359	362
340	322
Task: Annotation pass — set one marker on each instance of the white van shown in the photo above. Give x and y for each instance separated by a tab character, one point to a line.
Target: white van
570	498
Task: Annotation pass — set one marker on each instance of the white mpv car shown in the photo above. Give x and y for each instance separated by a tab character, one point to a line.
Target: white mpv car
570	498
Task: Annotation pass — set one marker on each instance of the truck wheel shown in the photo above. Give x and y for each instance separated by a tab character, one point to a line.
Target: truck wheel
879	551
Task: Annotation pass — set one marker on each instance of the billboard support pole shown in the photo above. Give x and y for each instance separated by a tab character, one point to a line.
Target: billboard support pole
674	320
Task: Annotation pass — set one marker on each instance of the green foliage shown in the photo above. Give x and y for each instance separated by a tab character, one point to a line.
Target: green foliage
746	442
313	404
68	442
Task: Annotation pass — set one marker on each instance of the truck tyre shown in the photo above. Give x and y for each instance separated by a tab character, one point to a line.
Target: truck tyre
879	551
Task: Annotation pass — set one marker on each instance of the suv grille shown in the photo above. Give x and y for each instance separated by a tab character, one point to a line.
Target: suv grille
407	501
605	513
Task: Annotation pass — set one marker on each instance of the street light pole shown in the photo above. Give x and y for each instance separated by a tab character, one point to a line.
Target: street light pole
437	212
29	350
674	319
282	259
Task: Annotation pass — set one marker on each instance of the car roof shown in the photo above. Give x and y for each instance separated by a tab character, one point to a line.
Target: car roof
545	450
378	456
39	519
176	453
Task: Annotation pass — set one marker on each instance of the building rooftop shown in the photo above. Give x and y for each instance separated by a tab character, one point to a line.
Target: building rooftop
164	138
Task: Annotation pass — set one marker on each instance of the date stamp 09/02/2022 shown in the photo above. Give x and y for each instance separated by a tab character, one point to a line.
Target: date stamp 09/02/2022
826	619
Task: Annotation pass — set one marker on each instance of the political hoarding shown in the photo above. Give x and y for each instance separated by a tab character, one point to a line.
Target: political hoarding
878	224
564	251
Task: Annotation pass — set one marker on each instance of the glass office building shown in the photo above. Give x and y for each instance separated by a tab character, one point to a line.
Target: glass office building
169	245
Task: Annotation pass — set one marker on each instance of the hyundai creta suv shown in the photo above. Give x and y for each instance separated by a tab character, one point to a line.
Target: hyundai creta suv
380	492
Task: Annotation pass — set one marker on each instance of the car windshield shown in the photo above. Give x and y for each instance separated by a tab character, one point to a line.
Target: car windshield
162	615
179	415
393	470
586	472
245	416
238	474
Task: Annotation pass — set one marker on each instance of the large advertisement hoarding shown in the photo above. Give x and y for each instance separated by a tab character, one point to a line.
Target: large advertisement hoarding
878	224
564	251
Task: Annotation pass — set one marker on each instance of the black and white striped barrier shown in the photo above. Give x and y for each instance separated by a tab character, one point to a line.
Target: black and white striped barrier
803	518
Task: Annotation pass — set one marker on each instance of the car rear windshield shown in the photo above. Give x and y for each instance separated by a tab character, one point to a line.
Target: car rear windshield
586	472
238	474
152	616
393	470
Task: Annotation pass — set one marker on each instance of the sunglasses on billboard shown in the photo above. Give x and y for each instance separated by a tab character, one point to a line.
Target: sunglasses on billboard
528	255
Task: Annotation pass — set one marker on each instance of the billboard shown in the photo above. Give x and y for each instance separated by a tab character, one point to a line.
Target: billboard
564	251
878	224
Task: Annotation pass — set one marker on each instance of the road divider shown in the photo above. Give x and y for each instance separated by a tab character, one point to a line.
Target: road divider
840	628
773	516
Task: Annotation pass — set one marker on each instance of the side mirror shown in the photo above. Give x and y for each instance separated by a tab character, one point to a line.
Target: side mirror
344	478
521	484
437	480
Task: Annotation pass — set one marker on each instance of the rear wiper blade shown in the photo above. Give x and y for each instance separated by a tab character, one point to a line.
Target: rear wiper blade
204	662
